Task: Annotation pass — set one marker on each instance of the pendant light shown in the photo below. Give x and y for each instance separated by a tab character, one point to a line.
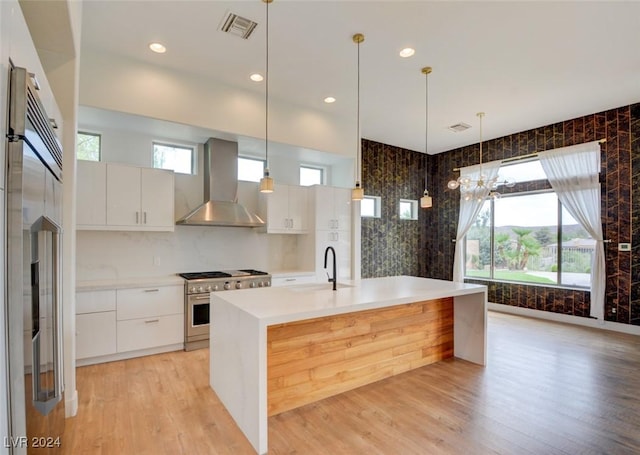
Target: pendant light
266	183
426	201
357	192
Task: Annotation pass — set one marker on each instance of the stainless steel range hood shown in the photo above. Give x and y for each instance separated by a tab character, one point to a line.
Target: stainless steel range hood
220	190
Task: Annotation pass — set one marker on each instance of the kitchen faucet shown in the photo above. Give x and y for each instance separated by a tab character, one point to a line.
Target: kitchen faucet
335	278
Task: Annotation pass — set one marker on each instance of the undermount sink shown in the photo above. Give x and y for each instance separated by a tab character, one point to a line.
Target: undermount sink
313	287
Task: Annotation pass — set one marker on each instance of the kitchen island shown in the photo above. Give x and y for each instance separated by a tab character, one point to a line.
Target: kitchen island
274	349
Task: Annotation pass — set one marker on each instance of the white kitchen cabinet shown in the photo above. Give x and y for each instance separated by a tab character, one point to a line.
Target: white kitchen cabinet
91	195
341	243
95	334
113	324
149	317
285	210
117	197
140	198
95	323
150	302
146	333
332	208
292	279
332	227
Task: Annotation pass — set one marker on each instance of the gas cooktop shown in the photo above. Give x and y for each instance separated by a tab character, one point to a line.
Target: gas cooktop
221	274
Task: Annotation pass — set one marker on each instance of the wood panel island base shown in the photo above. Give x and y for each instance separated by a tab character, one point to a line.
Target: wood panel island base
276	349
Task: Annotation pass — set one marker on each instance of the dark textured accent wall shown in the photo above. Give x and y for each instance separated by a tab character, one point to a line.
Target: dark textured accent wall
389	248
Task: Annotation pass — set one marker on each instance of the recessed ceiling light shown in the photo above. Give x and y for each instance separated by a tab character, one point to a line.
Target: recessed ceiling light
329	100
256	77
407	52
157	48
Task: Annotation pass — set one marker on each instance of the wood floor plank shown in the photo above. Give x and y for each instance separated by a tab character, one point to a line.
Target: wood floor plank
548	389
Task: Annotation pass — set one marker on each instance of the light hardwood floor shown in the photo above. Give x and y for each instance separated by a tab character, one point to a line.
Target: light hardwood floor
548	389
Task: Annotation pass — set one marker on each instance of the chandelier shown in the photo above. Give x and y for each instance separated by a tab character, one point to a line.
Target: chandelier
469	186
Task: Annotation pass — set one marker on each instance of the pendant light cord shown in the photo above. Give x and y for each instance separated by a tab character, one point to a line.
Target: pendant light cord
266	91
426	123
359	144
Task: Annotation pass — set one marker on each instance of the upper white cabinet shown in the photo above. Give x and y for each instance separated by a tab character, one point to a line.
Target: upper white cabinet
120	197
333	208
91	197
285	210
140	197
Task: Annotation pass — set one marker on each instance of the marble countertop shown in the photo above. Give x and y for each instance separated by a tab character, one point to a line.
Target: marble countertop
128	283
304	301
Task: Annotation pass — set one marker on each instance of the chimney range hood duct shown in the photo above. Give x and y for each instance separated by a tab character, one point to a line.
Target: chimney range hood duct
220	190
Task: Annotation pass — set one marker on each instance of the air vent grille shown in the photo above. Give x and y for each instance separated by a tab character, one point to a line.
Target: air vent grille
458	127
238	25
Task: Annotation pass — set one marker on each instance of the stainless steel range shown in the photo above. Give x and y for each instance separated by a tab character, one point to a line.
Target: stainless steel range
197	288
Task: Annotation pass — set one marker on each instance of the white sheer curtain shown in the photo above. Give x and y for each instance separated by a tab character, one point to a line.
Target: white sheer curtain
574	175
469	209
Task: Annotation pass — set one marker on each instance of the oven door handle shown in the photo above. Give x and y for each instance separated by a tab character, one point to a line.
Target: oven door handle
200	297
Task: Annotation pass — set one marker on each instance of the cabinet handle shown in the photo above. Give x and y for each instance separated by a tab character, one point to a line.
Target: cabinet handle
151	290
151	321
290	279
137	217
291	223
145	217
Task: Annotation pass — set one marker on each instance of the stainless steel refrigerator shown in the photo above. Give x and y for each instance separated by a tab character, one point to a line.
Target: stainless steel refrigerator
33	303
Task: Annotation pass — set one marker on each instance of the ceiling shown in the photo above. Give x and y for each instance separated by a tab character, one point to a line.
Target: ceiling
526	64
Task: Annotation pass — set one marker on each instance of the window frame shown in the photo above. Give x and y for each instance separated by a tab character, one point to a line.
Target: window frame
251	158
559	256
94	134
413	206
176	145
377	207
315	167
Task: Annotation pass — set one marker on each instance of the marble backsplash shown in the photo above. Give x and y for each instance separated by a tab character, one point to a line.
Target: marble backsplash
106	255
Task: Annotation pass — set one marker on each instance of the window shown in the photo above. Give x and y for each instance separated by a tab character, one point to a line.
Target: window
250	169
177	158
370	207
529	237
88	146
408	209
311	176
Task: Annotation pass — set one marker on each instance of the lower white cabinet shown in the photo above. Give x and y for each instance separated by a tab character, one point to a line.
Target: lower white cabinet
95	323
150	332
115	321
95	334
150	317
292	279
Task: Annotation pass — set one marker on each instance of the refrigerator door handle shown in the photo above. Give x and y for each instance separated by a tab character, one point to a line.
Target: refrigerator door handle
44	400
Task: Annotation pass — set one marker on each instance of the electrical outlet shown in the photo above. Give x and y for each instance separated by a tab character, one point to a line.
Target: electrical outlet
624	247
614	310
156	260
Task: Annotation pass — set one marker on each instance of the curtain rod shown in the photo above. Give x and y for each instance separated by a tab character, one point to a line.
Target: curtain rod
530	155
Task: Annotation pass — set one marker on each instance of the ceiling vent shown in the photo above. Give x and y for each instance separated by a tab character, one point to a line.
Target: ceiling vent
238	25
459	127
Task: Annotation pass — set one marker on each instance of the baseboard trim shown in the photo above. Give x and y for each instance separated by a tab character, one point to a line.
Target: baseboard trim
71	404
565	318
129	355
